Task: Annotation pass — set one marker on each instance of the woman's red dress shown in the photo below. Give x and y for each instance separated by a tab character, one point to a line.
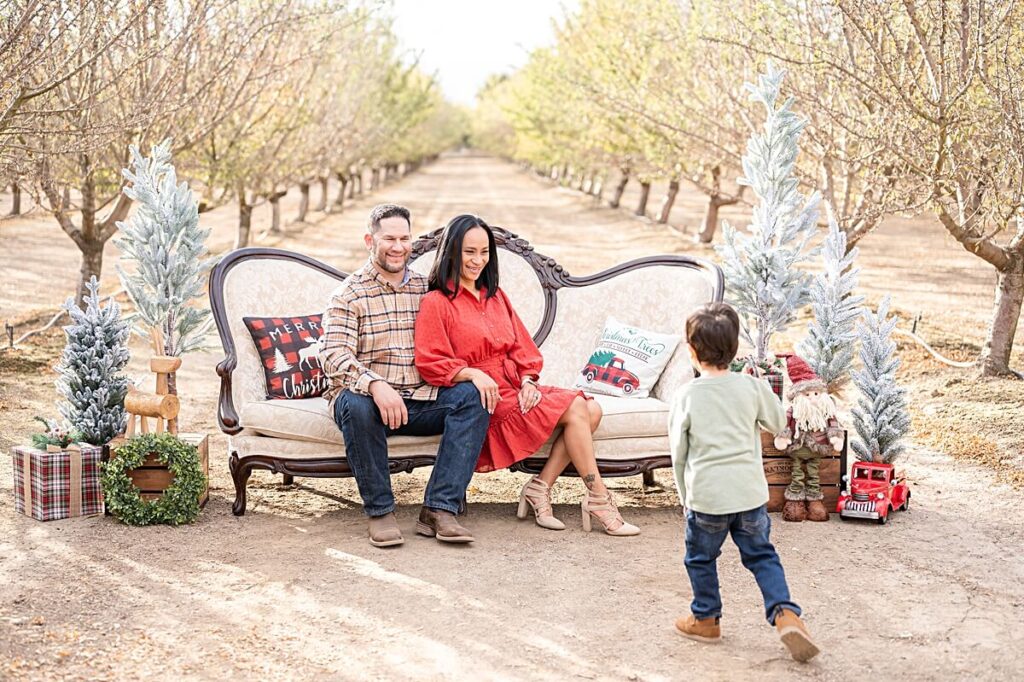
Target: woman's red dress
487	334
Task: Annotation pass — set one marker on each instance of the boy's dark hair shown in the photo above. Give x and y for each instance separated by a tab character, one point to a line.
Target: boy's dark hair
382	211
713	330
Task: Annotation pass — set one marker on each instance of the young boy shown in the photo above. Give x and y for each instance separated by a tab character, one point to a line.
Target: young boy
716	455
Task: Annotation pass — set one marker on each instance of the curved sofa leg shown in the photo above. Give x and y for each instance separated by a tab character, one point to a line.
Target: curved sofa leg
240	475
287	479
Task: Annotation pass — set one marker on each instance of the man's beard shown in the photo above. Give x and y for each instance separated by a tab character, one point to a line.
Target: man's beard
381	260
812	413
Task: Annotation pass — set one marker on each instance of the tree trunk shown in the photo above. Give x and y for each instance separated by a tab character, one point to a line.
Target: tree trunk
352	186
710	221
339	200
92	266
579	182
322	206
619	189
995	356
563	177
244	221
275	211
374	179
15	199
645	192
670	200
303	201
359	182
65	202
597	188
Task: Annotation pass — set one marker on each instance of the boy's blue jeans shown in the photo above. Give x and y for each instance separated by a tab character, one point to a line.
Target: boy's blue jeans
705	534
457	414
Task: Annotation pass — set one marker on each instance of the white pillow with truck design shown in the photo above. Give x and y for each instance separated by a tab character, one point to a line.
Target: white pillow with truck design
627	361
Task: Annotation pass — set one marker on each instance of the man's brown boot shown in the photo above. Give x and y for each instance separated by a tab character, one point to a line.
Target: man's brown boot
442	525
700	629
816	511
794	635
794	511
384	531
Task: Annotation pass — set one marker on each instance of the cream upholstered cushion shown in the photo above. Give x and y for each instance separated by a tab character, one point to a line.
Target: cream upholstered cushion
310	420
658	298
517	279
269	446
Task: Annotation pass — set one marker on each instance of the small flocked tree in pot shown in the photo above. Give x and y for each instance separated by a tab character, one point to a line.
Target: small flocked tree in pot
764	281
164	242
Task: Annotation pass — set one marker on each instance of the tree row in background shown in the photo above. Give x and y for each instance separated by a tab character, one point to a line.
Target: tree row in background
911	106
258	97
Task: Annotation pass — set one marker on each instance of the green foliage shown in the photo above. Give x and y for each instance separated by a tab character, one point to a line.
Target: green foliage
180	502
601	358
53	435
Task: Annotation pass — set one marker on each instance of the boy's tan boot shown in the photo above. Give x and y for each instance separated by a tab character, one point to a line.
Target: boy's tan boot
700	629
794	635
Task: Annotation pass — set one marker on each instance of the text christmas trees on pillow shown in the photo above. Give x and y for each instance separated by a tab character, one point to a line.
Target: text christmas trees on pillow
288	351
627	361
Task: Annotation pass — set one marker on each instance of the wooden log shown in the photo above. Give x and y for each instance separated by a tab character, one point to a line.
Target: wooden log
164	364
151	405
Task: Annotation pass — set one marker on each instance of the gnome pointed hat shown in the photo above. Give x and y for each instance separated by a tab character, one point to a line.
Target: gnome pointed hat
802	378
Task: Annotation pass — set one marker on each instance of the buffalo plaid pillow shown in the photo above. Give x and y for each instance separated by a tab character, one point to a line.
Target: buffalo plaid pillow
288	350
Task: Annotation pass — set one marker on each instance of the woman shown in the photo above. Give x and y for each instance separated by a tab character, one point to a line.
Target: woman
467	331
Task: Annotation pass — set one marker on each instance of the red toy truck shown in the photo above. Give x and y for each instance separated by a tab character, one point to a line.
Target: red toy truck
614	373
875	490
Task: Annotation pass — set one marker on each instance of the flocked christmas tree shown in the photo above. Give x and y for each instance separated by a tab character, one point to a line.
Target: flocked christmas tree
90	381
164	240
763	281
880	418
831	338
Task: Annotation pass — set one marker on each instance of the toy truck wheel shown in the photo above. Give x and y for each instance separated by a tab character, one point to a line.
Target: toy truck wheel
906	503
589	376
882	520
627	389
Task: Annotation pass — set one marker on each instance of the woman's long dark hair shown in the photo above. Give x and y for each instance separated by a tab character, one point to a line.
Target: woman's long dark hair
447	267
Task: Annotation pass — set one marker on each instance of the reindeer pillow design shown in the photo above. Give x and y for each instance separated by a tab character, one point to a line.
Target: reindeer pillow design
288	350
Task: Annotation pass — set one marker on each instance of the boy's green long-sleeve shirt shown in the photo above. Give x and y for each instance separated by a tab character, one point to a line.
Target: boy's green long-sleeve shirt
716	447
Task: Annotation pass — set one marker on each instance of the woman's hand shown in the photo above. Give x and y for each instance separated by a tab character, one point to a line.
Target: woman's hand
489	395
529	396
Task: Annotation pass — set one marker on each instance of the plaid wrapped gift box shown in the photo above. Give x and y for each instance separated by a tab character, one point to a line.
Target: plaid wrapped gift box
57	484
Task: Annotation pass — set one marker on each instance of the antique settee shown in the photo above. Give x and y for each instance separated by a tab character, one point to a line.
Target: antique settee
566	315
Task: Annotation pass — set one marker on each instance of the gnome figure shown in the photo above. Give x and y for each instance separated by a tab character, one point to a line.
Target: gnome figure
812	432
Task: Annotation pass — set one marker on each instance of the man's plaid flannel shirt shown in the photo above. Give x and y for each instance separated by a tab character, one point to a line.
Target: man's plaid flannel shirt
368	335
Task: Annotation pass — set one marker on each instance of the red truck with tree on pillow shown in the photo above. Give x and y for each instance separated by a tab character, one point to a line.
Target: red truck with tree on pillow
606	367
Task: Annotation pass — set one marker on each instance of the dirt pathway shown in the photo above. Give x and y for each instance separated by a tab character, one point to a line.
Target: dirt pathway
292	590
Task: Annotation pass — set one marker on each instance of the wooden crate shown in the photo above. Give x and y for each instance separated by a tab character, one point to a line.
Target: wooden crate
778	468
153	478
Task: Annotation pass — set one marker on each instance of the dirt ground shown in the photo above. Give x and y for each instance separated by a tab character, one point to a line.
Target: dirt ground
292	589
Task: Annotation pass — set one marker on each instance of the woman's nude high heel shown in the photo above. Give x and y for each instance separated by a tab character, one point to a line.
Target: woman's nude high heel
602	508
537	495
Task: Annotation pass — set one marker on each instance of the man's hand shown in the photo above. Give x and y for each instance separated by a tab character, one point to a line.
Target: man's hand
529	396
489	396
391	406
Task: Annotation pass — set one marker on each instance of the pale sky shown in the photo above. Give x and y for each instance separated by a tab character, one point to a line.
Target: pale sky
465	41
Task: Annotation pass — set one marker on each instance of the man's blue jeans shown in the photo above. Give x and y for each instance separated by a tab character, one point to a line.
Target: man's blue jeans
705	534
457	414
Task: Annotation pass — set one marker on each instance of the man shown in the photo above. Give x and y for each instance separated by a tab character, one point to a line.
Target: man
375	391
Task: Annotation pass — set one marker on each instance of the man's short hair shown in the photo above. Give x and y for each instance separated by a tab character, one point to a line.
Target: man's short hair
713	331
382	211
